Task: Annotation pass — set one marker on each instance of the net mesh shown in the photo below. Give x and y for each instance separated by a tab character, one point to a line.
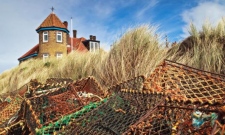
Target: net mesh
65	120
184	89
15	129
174	118
118	113
36	88
48	107
9	109
187	90
193	84
174	99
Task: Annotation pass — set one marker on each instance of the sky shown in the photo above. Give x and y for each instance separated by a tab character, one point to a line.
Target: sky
106	19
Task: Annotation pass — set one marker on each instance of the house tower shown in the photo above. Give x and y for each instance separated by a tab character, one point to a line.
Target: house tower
52	37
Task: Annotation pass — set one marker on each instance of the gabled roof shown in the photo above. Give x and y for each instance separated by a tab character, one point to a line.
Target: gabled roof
30	52
77	45
52	21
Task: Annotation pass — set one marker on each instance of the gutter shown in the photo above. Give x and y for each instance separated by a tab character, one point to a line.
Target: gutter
27	57
52	28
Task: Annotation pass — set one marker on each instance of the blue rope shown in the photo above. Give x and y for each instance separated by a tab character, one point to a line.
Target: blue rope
199	118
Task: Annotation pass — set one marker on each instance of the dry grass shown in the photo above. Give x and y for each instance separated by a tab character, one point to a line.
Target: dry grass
75	66
137	52
203	49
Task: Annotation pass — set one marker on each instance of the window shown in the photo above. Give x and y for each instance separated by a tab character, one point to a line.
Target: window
45	36
59	55
45	56
59	36
94	46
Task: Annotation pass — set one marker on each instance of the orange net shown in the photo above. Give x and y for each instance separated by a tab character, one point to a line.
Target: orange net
168	102
187	91
174	99
9	109
50	106
117	114
189	83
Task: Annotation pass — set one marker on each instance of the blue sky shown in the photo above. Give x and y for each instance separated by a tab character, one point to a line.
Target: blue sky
105	19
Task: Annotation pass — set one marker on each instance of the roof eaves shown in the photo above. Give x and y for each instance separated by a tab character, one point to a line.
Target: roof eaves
52	28
31	51
29	56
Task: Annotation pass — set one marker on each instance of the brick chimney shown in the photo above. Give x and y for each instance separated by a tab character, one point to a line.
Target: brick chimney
74	33
65	23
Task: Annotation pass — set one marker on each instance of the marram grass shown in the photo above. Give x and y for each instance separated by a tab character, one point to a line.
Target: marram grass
203	49
137	52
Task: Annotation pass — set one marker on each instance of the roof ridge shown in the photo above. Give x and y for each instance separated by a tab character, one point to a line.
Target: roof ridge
53	21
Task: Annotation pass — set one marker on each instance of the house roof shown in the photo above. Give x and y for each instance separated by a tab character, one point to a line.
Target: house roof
77	45
52	21
31	51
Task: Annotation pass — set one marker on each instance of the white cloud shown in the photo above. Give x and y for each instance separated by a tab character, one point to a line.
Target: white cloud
211	11
19	20
151	4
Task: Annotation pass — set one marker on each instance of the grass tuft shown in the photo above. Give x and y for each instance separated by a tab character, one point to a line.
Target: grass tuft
203	49
136	53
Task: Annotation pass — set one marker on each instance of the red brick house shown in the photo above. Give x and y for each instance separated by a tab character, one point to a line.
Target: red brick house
54	41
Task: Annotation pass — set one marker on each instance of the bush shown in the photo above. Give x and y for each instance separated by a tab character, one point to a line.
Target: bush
47	64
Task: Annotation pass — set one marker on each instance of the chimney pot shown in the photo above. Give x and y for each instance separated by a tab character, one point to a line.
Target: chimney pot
65	23
91	37
74	33
94	38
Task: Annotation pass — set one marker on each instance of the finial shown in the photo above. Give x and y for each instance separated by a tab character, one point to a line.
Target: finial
52	9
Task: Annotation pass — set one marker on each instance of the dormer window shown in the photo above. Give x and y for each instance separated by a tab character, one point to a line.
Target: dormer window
59	36
94	46
45	36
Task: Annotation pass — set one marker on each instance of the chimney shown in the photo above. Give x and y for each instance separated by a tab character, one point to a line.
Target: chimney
65	23
94	38
91	37
74	33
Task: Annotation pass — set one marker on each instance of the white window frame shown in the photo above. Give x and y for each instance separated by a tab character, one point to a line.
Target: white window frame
91	46
59	55
58	33
45	33
94	46
45	56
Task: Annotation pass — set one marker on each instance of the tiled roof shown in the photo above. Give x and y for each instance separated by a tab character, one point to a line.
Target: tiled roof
31	51
52	21
77	45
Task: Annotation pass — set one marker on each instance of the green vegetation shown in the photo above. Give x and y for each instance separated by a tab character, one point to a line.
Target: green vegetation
137	52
